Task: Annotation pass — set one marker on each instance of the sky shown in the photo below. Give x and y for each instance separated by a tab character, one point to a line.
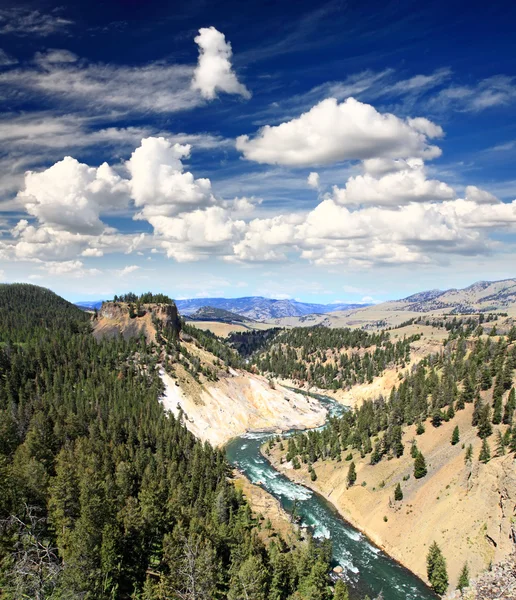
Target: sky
328	152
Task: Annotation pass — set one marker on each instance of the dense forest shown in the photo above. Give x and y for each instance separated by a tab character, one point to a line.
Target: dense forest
330	358
471	369
27	311
103	495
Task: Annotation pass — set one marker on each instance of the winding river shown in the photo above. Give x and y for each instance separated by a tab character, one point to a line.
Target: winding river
367	569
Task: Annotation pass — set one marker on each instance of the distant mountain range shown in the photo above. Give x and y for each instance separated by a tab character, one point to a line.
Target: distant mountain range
89	305
261	309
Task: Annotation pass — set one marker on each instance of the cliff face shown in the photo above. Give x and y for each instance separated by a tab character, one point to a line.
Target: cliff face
115	318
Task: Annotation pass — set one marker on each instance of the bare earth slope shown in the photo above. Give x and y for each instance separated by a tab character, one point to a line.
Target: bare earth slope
468	509
239	402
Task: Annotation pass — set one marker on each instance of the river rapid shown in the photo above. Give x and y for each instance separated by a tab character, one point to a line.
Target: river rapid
367	569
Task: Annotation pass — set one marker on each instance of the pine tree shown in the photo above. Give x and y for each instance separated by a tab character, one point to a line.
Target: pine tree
419	466
485	429
436	569
463	578
510	406
485	452
352	474
500	444
341	591
455	436
398	493
420	429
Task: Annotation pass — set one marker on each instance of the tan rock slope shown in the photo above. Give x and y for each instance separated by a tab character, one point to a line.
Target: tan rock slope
468	509
113	319
237	403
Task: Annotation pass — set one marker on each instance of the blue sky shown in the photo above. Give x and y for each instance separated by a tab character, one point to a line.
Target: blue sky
343	151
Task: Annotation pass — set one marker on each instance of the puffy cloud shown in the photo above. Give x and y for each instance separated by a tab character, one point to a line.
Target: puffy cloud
70	195
313	180
403	186
268	239
92	252
214	72
158	184
331	132
191	236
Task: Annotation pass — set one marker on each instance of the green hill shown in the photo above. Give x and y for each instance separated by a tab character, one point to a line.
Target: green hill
28	310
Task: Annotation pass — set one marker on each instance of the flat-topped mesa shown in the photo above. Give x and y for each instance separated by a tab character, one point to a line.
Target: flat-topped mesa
132	319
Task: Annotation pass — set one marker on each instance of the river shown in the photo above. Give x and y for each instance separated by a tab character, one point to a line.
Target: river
367	569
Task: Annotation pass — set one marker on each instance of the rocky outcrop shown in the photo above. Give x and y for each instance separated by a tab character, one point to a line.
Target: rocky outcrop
499	583
119	318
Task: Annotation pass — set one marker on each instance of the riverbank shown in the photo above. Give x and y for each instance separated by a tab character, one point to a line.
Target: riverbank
466	509
265	505
237	403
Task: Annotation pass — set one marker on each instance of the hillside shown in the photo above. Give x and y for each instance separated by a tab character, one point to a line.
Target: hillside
203	377
464	502
210	313
482	297
27	310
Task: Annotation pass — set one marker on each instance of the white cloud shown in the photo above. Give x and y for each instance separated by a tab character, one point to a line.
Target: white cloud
197	234
313	180
92	252
332	132
127	270
214	71
70	195
493	91
68	268
153	88
158	183
53	55
23	21
393	189
6	60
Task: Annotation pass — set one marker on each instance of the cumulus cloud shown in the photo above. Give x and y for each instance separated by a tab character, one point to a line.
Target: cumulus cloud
214	72
331	132
405	185
313	180
392	213
158	182
70	195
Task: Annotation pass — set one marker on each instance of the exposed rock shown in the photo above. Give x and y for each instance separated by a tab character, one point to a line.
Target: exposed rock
499	583
114	319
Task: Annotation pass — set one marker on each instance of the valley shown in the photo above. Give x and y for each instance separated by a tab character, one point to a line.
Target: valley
294	408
